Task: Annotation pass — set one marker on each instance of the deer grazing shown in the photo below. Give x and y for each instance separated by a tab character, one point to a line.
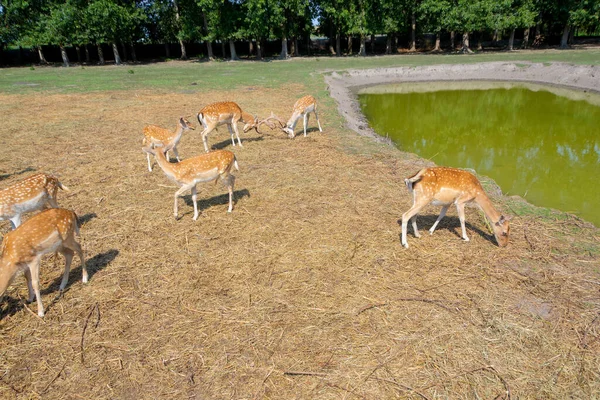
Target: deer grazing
226	113
33	193
50	231
167	140
446	186
302	108
204	168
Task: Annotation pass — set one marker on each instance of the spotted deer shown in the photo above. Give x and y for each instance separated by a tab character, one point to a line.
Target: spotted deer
50	231
442	186
302	108
203	168
225	113
164	138
33	193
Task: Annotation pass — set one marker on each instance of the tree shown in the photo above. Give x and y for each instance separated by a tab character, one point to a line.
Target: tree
433	15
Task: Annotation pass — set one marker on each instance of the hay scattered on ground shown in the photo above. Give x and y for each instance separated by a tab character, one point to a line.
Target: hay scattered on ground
304	291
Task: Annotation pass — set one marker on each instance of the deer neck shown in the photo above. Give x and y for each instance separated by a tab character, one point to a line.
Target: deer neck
168	168
487	207
248	118
178	134
293	120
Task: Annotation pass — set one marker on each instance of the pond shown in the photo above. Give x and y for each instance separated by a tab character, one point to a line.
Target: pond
541	143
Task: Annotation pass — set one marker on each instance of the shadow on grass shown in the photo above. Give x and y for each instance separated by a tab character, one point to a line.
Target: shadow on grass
223	199
94	264
452	224
6	176
227	143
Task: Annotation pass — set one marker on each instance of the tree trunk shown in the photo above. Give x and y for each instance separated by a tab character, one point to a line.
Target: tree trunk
100	55
284	55
167	50
388	44
413	34
181	44
511	40
338	44
372	44
465	43
495	37
564	41
223	53
293	47
250	48
437	42
124	47
452	41
65	57
349	42
525	43
209	49
87	54
116	53
479	41
234	56
184	55
78	50
258	49
41	55
363	46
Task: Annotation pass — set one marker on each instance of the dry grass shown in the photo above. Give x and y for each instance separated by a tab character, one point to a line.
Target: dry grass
304	291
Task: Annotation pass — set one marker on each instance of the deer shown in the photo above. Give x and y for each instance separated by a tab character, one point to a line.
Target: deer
226	113
302	108
444	186
50	231
203	168
35	192
165	138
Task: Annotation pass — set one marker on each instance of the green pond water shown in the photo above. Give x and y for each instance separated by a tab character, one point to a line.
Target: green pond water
539	143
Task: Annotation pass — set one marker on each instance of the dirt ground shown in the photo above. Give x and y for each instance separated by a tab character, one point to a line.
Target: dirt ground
303	291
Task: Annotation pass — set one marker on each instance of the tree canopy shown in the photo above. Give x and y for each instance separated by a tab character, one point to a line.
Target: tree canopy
97	23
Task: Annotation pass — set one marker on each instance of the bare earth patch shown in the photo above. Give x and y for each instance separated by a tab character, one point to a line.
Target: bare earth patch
304	291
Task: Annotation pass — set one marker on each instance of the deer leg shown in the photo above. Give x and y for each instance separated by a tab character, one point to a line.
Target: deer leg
413	221
318	123
177	194
229	182
27	274
414	210
68	253
305	121
34	268
204	135
149	165
237	133
442	215
176	154
15	221
195	200
460	207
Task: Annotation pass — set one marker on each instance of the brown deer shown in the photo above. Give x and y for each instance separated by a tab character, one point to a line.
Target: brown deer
167	140
302	108
33	193
444	186
204	168
50	231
